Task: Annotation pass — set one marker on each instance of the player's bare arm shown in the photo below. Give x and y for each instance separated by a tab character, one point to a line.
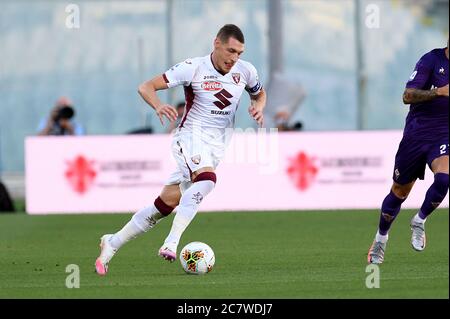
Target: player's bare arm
411	96
148	92
257	104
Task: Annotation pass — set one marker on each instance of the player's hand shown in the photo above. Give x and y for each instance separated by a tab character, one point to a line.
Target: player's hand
168	111
443	91
257	114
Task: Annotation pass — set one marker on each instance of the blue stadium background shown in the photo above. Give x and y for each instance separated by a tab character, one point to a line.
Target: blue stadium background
120	44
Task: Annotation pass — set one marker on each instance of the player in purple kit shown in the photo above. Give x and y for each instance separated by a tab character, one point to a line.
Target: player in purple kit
425	142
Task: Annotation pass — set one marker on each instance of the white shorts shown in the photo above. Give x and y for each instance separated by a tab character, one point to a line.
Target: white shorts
192	154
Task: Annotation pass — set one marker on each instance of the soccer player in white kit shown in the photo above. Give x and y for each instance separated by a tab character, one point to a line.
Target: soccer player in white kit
213	86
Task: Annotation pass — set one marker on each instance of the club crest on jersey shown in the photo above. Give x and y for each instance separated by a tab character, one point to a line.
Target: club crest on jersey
196	159
211	86
236	77
441	71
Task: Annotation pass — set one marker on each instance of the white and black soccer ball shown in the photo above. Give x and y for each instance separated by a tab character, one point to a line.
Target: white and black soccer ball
197	258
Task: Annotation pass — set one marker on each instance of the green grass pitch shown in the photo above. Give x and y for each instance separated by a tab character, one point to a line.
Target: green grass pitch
258	255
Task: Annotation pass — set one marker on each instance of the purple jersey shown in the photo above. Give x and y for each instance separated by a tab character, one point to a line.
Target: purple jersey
429	119
425	136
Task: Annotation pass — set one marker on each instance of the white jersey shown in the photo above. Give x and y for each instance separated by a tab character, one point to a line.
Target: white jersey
211	98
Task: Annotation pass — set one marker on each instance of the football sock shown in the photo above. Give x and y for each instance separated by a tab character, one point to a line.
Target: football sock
381	238
141	222
418	219
188	207
435	195
389	211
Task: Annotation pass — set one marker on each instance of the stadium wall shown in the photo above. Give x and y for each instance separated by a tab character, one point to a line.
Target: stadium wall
261	171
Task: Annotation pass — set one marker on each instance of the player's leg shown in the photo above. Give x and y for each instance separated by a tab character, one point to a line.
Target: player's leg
197	160
391	207
433	198
203	182
389	210
146	218
410	162
141	222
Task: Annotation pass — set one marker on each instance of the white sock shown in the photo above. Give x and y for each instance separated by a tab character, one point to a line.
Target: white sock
417	219
140	223
187	209
381	238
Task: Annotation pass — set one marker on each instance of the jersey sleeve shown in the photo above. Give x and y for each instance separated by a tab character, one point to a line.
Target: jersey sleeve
421	74
253	85
180	74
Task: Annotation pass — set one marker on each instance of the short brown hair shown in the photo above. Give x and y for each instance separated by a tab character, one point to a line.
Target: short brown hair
230	31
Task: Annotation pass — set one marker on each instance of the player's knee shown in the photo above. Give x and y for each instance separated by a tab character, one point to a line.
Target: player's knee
401	191
206	176
441	183
205	181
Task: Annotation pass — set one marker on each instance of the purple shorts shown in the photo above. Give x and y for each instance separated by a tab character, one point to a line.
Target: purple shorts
412	157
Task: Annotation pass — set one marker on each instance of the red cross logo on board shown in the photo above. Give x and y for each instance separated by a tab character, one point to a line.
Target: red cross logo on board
80	173
302	171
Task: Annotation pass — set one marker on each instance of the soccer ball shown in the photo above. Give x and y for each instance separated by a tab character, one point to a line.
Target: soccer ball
197	258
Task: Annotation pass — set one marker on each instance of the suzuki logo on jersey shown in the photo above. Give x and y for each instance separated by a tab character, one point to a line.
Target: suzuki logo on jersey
223	99
220	112
211	86
236	77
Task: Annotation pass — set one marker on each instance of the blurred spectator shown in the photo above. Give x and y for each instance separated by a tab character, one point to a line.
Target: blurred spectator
180	109
60	120
284	97
6	203
143	130
281	120
170	128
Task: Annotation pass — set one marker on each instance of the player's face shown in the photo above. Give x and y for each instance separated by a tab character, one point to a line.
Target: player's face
227	53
